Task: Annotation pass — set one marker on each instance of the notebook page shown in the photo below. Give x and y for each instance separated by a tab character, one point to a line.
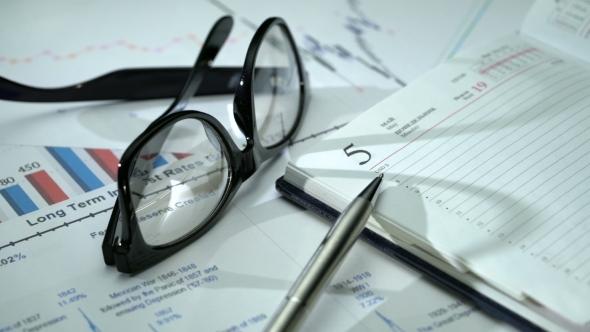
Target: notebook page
489	156
562	24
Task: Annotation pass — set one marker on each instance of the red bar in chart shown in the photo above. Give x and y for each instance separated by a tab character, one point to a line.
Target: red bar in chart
181	155
46	187
107	160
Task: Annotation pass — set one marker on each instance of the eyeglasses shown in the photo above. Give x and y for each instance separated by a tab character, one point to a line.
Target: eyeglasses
165	205
163	208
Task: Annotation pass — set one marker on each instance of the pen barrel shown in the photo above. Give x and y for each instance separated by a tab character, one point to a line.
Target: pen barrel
322	266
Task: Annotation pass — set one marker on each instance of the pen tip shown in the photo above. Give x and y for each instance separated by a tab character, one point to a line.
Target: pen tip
371	189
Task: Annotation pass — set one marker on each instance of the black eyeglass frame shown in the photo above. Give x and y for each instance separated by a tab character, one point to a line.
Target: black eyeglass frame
124	245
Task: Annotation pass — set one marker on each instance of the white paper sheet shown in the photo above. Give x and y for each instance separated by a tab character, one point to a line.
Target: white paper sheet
234	277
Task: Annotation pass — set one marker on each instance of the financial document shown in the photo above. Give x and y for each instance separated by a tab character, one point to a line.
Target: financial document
57	176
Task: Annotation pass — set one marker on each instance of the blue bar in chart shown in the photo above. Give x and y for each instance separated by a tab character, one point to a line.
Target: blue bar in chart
20	202
160	161
76	168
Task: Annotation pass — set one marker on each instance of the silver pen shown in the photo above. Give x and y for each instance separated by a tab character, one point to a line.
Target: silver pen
324	262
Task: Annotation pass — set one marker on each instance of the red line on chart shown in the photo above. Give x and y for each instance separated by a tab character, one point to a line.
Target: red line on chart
462	108
498	63
236	39
105	47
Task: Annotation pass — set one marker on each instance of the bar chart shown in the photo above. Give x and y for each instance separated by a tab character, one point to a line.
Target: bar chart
44	189
56	174
53	176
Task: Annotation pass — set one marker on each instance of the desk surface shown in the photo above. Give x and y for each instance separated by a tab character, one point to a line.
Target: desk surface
232	279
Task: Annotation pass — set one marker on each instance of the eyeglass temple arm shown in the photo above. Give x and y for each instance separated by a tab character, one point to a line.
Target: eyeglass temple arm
137	84
127	84
213	43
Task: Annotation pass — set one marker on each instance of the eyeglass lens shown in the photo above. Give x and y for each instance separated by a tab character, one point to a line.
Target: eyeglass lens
178	181
181	174
276	88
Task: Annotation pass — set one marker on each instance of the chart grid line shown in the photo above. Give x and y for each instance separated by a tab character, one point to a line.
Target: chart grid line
65	224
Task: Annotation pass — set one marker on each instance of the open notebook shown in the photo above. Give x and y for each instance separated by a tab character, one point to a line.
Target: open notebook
486	161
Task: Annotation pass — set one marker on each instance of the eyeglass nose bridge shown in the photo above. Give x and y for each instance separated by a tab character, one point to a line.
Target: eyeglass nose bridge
250	158
250	162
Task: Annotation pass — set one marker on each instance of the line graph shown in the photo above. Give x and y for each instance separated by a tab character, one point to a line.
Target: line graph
311	136
53	229
121	44
334	56
108	46
357	26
